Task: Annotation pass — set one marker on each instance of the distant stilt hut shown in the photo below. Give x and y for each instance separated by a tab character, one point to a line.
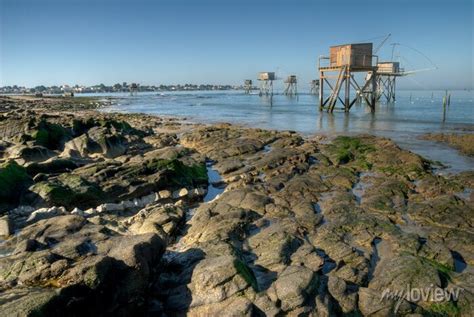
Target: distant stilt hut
248	86
266	83
133	89
290	86
386	75
314	87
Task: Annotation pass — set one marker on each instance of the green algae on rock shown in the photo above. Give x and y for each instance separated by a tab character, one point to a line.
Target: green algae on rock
50	135
69	191
14	179
462	142
179	174
344	149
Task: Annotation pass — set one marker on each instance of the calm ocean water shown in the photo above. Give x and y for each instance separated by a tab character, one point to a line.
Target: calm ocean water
413	114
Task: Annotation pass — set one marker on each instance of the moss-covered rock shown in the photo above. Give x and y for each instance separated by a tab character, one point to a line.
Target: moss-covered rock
81	126
345	149
53	193
50	135
463	142
247	274
122	126
26	301
176	173
70	191
111	145
13	181
443	309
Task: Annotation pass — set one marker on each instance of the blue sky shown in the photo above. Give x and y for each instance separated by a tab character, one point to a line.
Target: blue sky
165	42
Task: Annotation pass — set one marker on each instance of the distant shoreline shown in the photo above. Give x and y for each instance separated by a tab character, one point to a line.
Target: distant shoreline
239	89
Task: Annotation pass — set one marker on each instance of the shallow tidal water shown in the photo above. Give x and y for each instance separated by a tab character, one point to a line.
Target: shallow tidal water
412	115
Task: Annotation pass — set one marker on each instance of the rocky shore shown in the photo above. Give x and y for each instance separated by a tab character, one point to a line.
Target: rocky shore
129	214
463	142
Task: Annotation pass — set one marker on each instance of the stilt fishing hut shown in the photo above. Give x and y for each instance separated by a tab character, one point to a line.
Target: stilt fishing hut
290	86
133	89
248	86
314	87
386	75
387	72
344	61
266	83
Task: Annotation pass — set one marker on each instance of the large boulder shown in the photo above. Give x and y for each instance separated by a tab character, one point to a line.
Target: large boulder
50	135
294	285
24	154
158	219
80	146
273	247
13	181
246	199
76	267
26	301
215	280
97	141
53	165
68	190
5	226
138	177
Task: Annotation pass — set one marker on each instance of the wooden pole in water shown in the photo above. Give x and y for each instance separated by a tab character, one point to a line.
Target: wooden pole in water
374	92
394	87
444	108
321	90
347	91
